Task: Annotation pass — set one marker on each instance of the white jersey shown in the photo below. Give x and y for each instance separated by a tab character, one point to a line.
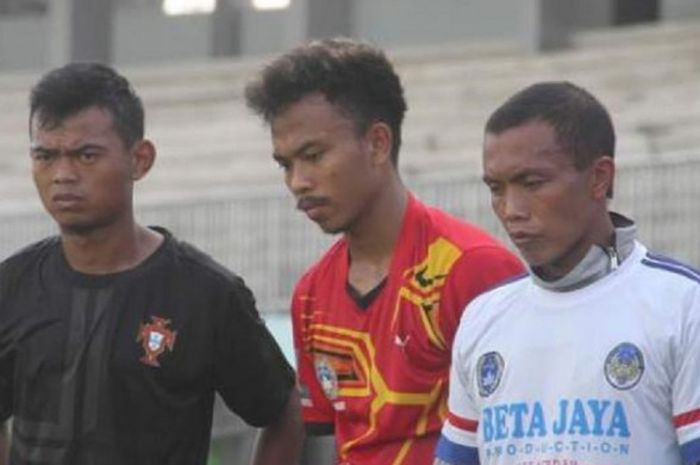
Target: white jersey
604	375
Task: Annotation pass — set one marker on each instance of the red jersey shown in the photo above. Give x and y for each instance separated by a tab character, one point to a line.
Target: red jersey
379	374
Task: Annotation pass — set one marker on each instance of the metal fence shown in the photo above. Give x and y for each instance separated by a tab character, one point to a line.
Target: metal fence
262	237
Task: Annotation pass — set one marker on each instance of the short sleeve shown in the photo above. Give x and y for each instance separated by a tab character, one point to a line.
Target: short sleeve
317	410
458	441
686	389
252	374
6	354
477	271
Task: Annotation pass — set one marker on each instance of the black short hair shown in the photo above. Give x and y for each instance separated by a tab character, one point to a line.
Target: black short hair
581	123
354	76
67	90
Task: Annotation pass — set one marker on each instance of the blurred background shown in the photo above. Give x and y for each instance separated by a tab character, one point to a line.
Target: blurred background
216	185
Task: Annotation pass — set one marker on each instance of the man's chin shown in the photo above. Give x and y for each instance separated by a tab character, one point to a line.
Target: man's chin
331	228
76	227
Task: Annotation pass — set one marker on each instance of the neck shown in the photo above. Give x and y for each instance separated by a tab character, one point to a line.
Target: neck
109	250
373	238
601	233
600	259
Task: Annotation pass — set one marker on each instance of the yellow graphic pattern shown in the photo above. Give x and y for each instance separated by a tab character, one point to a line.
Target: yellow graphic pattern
422	288
425	285
356	341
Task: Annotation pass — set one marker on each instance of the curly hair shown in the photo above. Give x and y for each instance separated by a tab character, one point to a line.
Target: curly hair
355	77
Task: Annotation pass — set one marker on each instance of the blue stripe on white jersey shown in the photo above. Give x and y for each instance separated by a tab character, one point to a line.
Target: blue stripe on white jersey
456	454
690	452
664	263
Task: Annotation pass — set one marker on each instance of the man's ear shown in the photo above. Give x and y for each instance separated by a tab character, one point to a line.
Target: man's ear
380	139
602	177
143	157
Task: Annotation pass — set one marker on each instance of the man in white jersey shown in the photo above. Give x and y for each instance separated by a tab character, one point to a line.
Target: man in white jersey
595	358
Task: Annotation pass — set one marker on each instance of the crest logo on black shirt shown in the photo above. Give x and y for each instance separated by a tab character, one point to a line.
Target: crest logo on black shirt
155	337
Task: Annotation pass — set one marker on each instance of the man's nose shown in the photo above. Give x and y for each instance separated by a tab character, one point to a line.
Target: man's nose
64	169
299	178
514	205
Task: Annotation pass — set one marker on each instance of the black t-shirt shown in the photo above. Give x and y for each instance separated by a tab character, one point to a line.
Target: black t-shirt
122	369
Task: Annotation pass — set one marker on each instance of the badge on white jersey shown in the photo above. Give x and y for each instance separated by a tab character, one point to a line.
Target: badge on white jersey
489	371
624	366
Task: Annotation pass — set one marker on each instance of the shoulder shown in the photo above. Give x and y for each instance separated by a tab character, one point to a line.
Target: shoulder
486	314
463	234
669	269
667	284
480	252
199	267
27	257
496	302
505	292
325	267
659	278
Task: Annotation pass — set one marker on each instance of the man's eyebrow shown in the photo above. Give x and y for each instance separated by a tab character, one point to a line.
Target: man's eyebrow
296	152
39	148
81	148
519	176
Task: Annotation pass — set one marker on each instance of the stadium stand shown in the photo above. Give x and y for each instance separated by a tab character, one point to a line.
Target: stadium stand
215	182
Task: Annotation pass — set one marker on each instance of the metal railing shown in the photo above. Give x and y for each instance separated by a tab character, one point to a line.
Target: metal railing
262	237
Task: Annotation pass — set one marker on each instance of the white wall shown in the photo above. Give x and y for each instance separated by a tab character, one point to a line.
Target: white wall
401	22
23	42
146	35
680	9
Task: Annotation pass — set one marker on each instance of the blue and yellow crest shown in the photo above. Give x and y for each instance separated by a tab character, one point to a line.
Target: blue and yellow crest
624	366
489	372
327	377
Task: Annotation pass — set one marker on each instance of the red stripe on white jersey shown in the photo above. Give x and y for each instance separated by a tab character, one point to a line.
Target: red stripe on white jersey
463	423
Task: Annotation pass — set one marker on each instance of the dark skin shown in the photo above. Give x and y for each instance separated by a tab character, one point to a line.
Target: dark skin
344	181
84	173
280	443
552	210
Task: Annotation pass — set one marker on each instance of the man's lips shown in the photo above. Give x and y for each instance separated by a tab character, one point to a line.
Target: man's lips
65	197
66	200
522	237
306	204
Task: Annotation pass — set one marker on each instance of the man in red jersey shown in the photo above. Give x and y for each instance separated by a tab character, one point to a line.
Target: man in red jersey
374	318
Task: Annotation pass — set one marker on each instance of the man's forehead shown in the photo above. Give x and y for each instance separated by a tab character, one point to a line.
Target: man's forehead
89	125
47	120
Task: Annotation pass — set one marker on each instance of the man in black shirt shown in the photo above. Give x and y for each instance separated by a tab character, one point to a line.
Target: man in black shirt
115	337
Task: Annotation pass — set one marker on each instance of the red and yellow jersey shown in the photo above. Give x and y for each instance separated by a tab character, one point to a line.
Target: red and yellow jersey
379	375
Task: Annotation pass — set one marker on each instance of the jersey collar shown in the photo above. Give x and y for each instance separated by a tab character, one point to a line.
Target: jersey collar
598	262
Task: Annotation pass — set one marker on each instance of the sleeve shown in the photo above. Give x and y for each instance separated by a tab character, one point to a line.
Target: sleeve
476	271
316	409
686	389
251	373
6	354
458	441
